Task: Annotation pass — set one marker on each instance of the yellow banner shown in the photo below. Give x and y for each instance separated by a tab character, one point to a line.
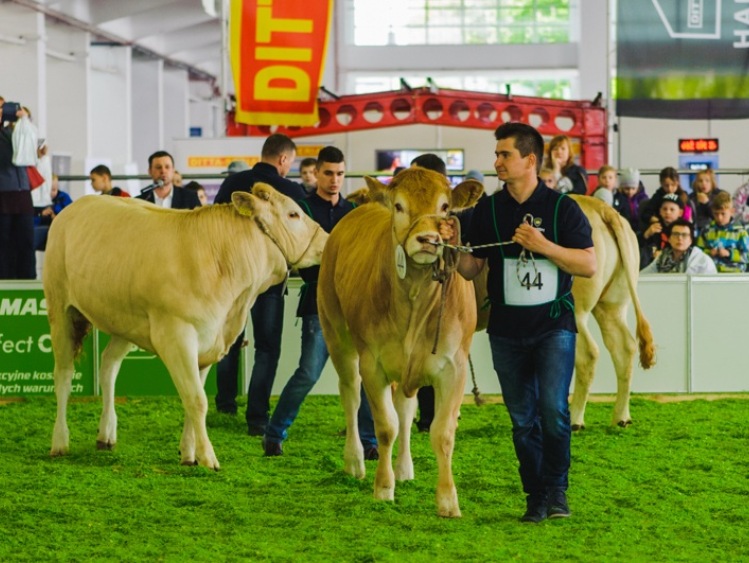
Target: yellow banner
277	50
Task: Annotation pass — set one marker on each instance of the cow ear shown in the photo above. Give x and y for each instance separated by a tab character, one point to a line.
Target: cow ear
360	196
262	190
244	203
466	194
378	191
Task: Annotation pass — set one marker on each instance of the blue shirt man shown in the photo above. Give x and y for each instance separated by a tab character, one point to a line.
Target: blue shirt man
547	240
327	207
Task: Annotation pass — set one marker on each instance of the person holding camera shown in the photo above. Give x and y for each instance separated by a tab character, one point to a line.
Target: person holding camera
17	257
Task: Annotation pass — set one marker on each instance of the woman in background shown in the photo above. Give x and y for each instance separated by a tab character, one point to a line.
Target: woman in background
570	177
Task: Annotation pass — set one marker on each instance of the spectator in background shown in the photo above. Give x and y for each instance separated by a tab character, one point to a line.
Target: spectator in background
161	169
45	215
741	204
704	190
680	256
277	156
199	190
177	179
655	238
17	257
101	182
475	175
236	166
430	161
606	184
307	172
631	197
724	240
546	175
570	177
669	180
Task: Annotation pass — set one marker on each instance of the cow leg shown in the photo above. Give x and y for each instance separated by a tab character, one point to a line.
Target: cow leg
406	409
380	396
349	387
63	335
586	356
448	398
178	349
111	360
612	318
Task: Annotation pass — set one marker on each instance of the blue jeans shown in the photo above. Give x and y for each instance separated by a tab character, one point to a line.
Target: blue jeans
311	363
535	376
267	330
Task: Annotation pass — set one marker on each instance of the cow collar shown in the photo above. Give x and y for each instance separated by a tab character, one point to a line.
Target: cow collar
290	263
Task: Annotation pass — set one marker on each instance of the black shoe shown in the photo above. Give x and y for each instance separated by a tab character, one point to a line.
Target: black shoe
256	430
536	511
371	453
557	506
272	449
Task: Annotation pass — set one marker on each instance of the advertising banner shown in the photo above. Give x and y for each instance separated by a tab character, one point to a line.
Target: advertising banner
143	373
277	52
683	59
26	361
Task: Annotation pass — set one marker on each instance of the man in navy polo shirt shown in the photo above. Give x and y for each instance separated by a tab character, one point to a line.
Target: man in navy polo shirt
532	324
326	206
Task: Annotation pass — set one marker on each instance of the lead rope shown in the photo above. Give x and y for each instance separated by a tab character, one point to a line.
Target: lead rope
449	266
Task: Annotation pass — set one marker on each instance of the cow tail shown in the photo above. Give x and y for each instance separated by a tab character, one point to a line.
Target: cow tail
630	262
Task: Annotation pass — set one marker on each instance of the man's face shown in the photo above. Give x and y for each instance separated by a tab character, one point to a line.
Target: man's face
287	159
670	212
510	165
162	168
330	179
680	238
99	182
308	175
723	216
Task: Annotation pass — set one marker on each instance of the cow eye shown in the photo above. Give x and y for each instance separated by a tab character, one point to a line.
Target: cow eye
399	208
445	207
293	215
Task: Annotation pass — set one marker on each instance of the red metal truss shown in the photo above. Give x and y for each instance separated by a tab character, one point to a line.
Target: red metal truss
580	120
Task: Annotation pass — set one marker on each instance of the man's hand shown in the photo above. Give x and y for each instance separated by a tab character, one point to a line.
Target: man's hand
449	231
530	238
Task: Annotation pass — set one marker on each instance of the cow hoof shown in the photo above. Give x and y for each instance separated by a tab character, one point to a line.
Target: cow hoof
578	427
58	452
189	462
623	423
449	513
101	445
384	493
356	469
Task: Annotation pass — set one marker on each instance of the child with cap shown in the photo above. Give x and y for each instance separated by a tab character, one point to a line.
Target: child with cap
655	236
630	197
724	240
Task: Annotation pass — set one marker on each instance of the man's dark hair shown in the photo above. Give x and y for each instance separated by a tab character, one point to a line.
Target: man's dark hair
159	154
194	186
309	161
681	222
329	154
101	170
527	140
430	161
276	145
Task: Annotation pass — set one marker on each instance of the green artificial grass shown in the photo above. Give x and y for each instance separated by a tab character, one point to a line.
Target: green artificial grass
672	487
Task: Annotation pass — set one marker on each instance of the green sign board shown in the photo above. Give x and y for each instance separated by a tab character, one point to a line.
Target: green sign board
143	373
26	360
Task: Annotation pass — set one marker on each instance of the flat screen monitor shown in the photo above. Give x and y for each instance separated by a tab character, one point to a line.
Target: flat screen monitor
387	160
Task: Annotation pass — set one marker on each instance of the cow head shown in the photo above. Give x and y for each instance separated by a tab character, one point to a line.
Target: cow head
419	200
299	238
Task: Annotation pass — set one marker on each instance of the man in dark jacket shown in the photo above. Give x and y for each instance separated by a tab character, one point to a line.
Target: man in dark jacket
161	170
277	156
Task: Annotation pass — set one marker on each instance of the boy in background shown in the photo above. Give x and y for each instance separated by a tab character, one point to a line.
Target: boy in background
606	184
307	172
724	240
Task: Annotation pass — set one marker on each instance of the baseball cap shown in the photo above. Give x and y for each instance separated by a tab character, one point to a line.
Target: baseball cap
673	198
236	166
475	175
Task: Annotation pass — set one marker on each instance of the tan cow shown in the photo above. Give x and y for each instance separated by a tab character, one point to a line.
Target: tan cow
379	309
177	283
607	295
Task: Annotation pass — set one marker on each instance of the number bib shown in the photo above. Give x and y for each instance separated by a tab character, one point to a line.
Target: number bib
528	285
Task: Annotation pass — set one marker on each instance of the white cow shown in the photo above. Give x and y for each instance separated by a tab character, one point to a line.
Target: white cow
177	283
